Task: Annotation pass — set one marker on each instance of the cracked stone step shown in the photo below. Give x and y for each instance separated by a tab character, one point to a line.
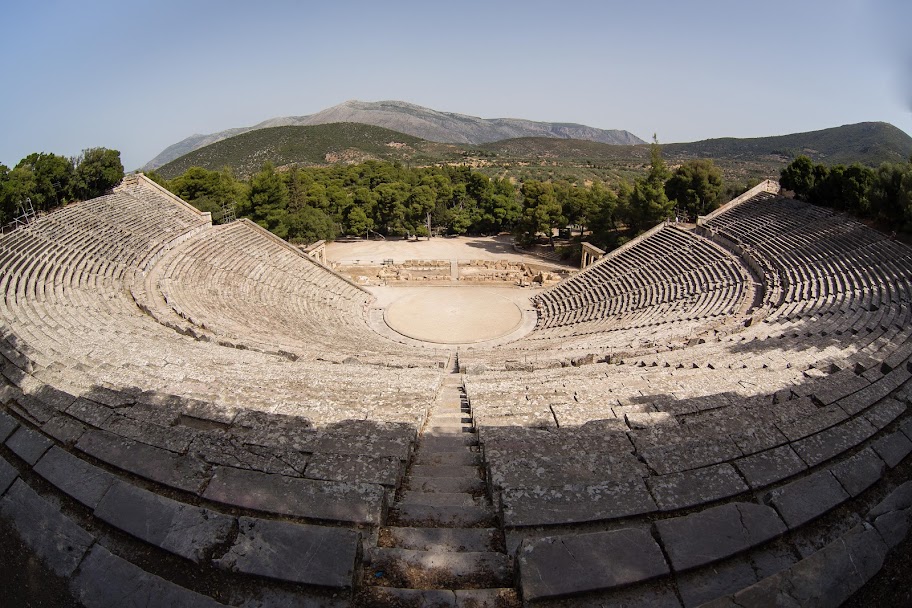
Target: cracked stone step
439	499
447	484
441	539
448	430
460	457
413	569
444	470
445	516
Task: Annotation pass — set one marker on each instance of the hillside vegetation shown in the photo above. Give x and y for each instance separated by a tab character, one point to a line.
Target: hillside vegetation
319	145
414	120
541	158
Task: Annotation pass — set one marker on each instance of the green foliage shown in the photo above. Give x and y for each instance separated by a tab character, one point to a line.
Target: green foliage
647	204
209	190
696	187
268	204
97	170
542	211
884	194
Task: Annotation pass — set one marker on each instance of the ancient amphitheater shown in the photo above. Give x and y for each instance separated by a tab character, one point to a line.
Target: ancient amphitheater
198	415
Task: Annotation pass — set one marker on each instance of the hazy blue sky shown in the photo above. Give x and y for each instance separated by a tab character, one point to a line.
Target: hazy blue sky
139	76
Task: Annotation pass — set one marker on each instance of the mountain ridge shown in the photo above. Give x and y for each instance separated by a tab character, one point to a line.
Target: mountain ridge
411	119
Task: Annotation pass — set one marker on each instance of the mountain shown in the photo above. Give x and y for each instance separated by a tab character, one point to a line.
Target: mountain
869	143
313	145
417	121
542	157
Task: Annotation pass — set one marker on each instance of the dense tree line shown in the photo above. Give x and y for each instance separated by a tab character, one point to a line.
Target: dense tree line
306	204
883	194
49	180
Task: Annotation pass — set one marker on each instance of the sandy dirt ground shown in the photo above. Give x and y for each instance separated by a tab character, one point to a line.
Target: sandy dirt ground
437	248
454	315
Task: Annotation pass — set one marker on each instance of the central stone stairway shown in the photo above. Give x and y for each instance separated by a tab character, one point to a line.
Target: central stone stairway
442	545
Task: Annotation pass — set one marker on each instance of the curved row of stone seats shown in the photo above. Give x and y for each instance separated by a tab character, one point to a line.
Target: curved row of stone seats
82	505
70	311
824	259
241	284
803	463
668	274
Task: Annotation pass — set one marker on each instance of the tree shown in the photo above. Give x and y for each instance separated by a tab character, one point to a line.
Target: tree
269	201
799	177
97	170
52	179
541	210
308	225
358	222
648	204
696	186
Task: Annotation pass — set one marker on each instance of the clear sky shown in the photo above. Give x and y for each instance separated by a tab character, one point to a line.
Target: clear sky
139	76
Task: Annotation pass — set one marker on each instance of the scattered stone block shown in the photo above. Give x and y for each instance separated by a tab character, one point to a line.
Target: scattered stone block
717	533
576	563
303	554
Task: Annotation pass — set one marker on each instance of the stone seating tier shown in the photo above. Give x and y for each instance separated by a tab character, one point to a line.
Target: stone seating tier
164	441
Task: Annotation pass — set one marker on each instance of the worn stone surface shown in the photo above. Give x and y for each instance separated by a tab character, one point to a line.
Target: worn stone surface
54	537
690	488
7	425
718	580
181	471
808	498
8	475
860	472
713	534
542	506
833	441
893	515
689	455
893	448
357	503
64	429
105	580
90	412
764	468
576	563
819	420
443	539
354	468
297	553
219	447
83	481
826	578
28	445
182	529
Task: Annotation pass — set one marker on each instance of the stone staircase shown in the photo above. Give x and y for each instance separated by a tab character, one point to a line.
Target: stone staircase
442	545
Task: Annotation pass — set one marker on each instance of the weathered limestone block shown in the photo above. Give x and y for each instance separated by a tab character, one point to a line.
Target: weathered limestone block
576	563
